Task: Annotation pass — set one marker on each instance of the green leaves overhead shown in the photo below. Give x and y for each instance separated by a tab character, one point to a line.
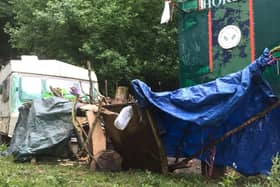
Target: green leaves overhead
122	38
5	9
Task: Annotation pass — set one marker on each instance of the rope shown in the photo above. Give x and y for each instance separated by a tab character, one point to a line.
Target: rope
275	49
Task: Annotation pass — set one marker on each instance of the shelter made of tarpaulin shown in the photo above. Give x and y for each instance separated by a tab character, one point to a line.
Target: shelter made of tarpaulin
194	116
43	129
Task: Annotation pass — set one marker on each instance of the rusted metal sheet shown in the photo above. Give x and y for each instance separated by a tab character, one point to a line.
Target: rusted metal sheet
138	143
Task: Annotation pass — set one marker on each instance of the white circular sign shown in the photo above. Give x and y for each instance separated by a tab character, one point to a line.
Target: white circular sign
229	37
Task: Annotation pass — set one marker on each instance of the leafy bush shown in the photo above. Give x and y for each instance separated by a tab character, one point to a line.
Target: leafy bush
3	147
229	179
274	177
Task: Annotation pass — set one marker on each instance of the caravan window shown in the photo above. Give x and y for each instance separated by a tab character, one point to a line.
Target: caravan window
85	88
65	85
30	88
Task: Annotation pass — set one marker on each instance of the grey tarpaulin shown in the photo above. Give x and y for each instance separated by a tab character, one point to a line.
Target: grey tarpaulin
43	128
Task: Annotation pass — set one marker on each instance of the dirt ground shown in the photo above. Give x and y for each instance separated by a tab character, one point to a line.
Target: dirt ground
194	169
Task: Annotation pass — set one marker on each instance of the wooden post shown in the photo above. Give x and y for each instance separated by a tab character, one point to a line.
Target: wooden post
90	82
121	95
106	88
98	139
163	158
217	171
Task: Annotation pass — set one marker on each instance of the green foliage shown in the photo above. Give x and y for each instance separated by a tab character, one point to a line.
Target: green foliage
5	16
232	178
229	179
151	180
42	174
123	39
274	177
3	147
25	175
5	9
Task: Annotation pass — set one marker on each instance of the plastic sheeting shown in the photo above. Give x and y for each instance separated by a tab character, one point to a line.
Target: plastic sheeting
193	117
43	129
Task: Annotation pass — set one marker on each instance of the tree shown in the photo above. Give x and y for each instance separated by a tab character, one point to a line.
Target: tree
122	38
5	16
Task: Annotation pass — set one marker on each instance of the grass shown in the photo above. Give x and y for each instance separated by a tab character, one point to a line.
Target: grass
43	174
26	174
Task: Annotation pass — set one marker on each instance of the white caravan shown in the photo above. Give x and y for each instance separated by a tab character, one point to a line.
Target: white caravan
30	78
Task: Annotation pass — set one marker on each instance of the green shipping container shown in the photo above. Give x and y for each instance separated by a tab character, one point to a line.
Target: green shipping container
218	37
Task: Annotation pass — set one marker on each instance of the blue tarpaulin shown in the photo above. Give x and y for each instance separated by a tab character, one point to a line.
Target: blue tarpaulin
195	116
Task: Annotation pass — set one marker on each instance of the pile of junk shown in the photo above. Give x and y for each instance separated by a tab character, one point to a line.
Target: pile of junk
232	121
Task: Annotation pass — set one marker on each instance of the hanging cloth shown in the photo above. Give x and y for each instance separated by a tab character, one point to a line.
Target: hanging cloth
166	13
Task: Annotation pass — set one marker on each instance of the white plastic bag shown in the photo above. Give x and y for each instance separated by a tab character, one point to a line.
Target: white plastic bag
123	118
166	13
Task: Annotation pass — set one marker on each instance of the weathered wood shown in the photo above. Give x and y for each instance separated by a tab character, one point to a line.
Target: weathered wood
79	130
108	160
108	112
95	108
136	143
217	171
163	158
98	139
106	88
90	107
76	124
121	95
56	91
90	82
